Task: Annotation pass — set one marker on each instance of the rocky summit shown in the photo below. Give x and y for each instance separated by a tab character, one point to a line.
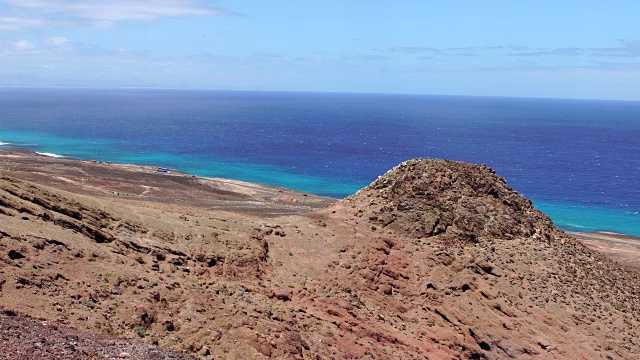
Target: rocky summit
453	200
434	260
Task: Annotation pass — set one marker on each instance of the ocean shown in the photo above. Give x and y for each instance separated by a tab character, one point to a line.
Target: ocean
578	160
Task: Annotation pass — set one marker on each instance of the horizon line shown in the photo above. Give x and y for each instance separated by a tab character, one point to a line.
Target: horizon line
303	92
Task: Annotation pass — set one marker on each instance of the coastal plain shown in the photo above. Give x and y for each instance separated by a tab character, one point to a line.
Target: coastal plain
434	260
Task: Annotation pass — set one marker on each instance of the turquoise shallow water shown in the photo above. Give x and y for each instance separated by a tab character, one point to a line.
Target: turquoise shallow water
568	216
201	165
579	161
589	219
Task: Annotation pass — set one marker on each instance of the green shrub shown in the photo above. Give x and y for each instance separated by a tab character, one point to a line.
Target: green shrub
140	331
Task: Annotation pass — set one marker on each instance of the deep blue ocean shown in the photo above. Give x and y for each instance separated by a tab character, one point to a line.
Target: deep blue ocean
578	160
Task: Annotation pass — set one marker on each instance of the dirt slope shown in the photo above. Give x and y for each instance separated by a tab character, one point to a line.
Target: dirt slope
436	259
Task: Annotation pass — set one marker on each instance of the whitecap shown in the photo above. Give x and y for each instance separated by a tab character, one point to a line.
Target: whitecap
3	143
49	154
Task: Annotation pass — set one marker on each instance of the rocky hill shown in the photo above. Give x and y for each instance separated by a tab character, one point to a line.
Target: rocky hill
453	200
435	259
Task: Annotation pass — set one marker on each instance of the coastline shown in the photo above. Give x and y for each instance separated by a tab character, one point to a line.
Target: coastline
145	183
624	249
129	250
41	167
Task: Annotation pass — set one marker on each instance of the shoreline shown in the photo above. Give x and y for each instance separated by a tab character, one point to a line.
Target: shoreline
260	174
623	249
145	183
130	251
8	151
29	153
609	236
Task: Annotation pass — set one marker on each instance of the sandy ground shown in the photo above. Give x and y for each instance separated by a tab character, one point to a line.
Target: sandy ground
624	249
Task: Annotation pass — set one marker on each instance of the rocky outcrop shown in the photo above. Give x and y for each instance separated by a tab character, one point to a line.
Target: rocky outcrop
450	199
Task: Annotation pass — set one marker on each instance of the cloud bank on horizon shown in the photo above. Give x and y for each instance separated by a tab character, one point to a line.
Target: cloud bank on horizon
494	48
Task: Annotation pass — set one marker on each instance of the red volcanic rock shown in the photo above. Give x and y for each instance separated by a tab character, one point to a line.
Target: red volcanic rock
436	259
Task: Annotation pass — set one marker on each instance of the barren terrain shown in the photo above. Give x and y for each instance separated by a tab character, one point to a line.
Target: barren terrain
436	259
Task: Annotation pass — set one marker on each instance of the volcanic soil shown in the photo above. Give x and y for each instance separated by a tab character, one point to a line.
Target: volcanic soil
434	260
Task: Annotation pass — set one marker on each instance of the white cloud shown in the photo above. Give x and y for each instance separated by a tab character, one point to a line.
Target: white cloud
9	23
58	41
98	13
24	45
624	49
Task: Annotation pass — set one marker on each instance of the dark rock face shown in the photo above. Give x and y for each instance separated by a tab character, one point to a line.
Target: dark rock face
424	198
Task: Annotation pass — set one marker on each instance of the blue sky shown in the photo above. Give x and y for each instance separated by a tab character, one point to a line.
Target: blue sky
562	48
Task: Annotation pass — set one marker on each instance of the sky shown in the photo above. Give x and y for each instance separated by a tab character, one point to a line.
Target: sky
553	49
